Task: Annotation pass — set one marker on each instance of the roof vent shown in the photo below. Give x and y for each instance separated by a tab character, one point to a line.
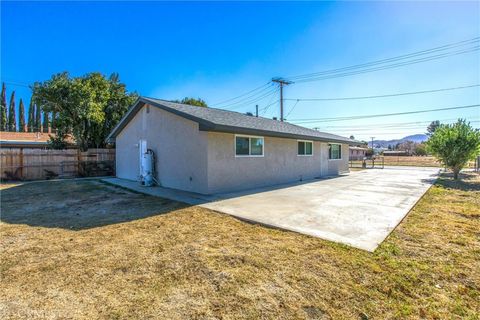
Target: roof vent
274	118
249	114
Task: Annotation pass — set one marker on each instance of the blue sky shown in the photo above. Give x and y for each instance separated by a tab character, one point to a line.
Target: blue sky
218	50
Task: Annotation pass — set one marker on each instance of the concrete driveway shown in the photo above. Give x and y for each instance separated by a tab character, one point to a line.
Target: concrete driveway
359	209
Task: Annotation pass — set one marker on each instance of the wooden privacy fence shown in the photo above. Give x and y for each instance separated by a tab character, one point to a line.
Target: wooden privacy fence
38	164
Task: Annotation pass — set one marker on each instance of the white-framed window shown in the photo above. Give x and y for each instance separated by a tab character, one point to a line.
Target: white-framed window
304	148
248	146
334	151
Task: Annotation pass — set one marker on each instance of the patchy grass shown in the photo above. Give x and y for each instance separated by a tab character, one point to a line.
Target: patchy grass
85	250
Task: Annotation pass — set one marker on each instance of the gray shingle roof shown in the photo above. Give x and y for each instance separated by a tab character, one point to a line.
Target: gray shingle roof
211	119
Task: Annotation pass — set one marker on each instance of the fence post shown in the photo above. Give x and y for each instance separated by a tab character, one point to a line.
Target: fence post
21	164
78	162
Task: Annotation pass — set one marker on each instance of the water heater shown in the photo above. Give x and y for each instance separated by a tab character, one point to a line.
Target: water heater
148	167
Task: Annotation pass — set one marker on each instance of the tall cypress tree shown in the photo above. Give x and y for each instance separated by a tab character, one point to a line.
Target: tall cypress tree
12	119
38	118
21	115
53	122
46	121
3	109
31	116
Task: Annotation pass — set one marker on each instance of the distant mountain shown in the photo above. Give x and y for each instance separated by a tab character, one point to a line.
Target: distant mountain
385	143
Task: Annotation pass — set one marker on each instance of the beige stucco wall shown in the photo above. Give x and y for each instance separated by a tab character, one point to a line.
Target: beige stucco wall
280	164
337	166
205	162
180	149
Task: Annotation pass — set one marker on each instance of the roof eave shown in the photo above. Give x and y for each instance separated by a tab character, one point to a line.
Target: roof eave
259	132
138	105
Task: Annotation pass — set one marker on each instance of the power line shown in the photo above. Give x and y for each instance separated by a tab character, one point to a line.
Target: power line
251	100
376	125
18	84
385	95
242	95
268	106
380	115
391	66
393	59
292	107
387	128
270	103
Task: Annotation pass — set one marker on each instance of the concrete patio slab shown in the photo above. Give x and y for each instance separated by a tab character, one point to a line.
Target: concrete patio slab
359	209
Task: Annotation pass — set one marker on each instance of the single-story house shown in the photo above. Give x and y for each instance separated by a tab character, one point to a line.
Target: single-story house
357	153
209	150
28	140
35	140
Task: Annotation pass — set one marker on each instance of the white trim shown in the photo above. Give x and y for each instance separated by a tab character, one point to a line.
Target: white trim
249	146
305	155
341	153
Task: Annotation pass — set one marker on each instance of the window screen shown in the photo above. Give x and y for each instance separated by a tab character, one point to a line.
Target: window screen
256	146
241	146
248	146
335	151
305	148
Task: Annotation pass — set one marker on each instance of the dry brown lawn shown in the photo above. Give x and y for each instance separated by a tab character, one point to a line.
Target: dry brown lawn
417	161
86	250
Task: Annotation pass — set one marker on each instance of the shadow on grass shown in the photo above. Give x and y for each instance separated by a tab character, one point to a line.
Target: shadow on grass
78	204
466	181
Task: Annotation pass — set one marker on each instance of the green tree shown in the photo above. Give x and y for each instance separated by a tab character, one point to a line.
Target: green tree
88	107
38	119
21	116
420	149
12	119
53	122
454	145
3	109
46	121
432	127
31	116
192	101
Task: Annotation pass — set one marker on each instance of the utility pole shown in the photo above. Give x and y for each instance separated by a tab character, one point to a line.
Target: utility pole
281	82
372	144
256	110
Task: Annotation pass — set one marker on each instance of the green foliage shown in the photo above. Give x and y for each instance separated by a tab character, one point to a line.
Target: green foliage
432	127
192	101
46	121
31	116
420	149
58	141
12	120
3	109
21	115
88	107
54	121
454	145
38	118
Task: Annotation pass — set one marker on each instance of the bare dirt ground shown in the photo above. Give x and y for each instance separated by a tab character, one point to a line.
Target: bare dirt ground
86	250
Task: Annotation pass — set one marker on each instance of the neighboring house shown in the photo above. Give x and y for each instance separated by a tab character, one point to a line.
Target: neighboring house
27	140
207	150
357	153
36	140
